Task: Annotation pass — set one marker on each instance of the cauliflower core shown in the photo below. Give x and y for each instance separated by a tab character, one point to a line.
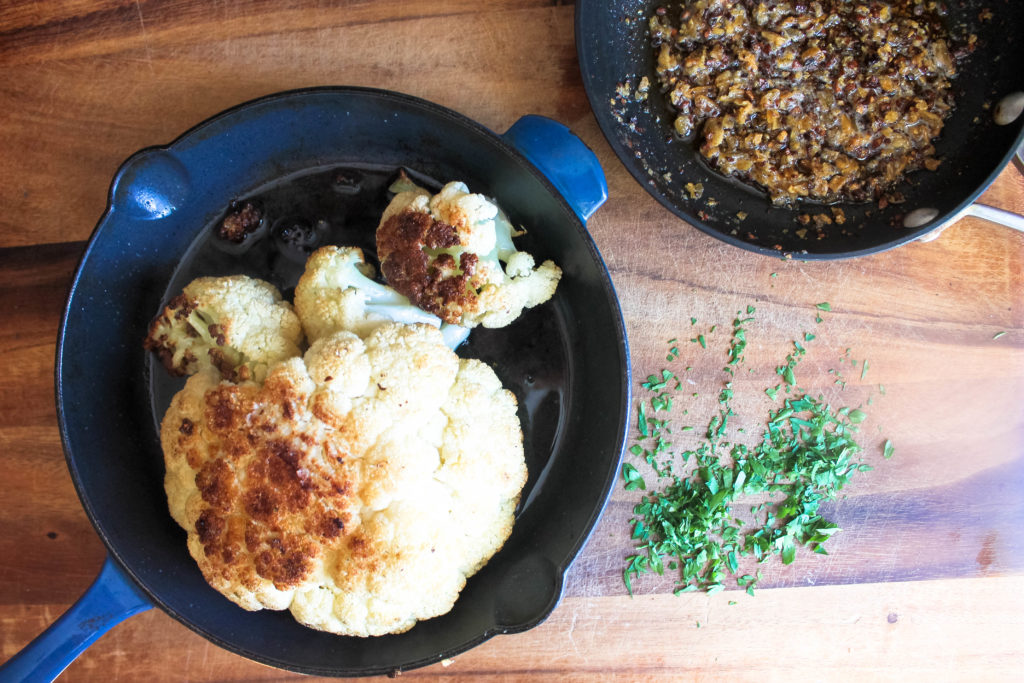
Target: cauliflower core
237	324
357	486
337	292
445	253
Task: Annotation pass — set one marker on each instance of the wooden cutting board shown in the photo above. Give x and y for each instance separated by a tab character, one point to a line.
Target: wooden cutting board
925	580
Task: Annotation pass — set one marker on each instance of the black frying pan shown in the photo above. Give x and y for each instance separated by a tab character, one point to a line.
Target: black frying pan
614	51
567	360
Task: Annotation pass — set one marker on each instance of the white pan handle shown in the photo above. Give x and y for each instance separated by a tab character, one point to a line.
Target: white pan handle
1001	216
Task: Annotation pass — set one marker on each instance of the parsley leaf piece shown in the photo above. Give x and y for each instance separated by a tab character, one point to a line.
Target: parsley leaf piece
788	553
632	477
824	306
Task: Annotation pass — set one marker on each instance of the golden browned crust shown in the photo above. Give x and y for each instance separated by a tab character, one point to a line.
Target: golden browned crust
440	285
268	492
241	220
178	308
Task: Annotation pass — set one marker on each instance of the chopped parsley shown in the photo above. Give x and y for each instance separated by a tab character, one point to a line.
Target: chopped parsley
687	524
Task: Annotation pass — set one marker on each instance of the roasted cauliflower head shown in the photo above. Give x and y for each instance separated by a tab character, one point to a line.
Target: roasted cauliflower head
452	254
358	486
237	325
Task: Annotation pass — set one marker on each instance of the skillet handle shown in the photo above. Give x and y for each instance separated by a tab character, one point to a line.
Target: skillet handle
112	598
565	159
995	215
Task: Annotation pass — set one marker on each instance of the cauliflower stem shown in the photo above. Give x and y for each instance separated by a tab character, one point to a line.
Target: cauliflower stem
337	292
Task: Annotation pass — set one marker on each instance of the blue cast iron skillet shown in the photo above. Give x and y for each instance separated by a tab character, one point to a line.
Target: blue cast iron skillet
567	361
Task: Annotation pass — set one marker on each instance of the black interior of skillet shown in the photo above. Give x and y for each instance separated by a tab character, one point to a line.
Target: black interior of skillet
614	51
567	360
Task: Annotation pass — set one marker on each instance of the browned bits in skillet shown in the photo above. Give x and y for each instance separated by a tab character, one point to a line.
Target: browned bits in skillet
828	100
241	220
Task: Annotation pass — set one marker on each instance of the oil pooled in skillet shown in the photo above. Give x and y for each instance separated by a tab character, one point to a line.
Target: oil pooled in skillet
342	205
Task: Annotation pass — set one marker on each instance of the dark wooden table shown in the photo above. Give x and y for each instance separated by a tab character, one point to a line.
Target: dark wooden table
926	581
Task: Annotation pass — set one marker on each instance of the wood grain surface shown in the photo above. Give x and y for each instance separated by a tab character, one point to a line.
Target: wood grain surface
926	580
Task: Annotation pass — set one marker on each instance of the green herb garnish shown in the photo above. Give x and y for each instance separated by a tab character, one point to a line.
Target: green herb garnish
632	477
806	455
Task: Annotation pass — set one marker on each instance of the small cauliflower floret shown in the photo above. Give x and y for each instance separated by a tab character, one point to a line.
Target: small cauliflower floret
446	253
236	324
357	486
337	292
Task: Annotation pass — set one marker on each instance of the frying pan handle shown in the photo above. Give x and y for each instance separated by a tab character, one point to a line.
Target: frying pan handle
996	215
565	159
112	598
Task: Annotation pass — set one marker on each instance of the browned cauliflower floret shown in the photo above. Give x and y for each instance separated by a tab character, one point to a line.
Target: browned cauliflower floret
236	324
358	486
446	253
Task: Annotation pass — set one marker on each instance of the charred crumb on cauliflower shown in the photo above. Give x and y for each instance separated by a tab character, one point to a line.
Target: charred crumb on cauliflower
337	292
358	486
445	252
236	324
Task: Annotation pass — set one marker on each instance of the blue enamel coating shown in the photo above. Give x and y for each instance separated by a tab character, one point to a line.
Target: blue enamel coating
152	185
112	598
567	162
